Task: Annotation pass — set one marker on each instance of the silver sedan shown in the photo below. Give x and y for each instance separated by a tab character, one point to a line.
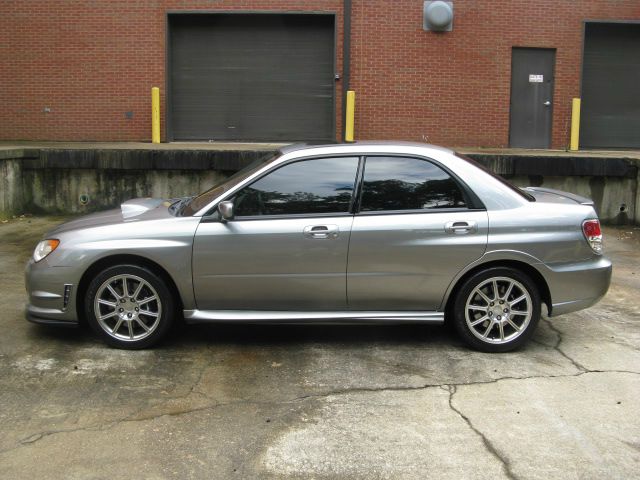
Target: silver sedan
358	233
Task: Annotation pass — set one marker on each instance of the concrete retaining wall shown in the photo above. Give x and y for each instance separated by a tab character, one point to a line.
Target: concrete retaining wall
612	183
83	181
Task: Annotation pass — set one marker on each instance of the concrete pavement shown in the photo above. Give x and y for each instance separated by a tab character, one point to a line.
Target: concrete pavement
321	402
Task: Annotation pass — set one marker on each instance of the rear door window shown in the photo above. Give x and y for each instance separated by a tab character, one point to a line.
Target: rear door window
403	183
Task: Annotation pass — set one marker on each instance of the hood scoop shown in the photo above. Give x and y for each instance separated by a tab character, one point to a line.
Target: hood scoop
138	206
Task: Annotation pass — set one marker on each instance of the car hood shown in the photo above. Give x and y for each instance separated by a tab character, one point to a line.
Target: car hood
134	210
550	195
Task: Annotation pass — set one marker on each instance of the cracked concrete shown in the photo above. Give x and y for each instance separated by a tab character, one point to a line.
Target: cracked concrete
321	402
487	443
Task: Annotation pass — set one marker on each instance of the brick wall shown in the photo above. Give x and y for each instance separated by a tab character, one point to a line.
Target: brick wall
454	88
91	61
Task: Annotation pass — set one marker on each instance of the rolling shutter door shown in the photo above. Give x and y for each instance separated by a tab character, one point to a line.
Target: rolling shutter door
252	77
611	86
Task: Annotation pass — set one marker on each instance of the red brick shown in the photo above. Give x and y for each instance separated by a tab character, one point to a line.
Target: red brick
92	61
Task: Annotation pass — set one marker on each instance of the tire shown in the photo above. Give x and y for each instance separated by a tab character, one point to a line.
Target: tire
487	321
133	321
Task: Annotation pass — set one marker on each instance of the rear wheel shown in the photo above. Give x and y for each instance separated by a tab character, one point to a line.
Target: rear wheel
497	310
129	307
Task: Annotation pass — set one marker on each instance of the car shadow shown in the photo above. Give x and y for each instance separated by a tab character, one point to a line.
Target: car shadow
203	336
286	335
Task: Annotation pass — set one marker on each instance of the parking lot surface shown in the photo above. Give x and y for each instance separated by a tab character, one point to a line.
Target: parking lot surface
321	402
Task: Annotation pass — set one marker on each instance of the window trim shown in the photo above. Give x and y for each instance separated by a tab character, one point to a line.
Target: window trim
357	189
422	211
347	213
472	200
290	216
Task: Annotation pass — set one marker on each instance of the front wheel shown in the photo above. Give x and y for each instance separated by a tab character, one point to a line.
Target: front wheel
497	310
129	306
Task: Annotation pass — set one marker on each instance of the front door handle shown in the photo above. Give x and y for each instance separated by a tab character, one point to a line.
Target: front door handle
547	103
321	231
460	228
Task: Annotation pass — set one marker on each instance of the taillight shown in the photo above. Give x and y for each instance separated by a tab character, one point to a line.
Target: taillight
593	234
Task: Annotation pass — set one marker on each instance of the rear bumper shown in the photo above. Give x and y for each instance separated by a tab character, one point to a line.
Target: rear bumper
578	285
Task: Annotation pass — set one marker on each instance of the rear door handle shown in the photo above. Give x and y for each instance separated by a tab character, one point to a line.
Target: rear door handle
321	231
460	228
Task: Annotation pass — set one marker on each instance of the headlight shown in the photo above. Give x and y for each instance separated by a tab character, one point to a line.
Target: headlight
44	248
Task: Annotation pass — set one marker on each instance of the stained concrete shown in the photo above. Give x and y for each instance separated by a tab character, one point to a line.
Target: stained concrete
321	402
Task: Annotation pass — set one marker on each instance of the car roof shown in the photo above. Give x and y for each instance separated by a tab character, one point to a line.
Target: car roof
366	145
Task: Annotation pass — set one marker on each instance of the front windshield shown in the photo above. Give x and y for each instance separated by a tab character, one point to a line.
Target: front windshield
205	198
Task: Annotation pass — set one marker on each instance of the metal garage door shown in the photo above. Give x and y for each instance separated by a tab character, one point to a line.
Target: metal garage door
611	86
252	77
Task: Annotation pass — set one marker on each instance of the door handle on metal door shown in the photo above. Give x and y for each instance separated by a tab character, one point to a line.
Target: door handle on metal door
321	231
547	103
460	228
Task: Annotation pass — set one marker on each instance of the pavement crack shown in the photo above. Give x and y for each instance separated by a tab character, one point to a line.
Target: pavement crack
176	413
198	380
557	348
36	437
136	417
350	390
506	465
192	391
394	365
187	411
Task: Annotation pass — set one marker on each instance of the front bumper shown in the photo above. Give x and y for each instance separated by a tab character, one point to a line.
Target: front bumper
577	285
51	294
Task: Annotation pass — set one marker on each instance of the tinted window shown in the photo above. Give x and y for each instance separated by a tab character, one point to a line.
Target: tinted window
202	200
392	183
519	191
310	186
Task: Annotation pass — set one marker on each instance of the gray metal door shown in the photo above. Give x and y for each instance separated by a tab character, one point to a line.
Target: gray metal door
531	97
411	236
611	86
271	264
406	261
254	77
286	248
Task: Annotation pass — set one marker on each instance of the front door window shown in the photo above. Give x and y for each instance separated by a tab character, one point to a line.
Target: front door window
309	187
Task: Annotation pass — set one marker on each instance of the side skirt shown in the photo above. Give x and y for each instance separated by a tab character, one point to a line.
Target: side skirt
340	317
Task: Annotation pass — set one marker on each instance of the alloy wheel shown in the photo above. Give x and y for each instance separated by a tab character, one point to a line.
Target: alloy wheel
498	310
127	307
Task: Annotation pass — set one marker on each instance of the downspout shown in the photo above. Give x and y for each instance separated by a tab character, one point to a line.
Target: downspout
346	59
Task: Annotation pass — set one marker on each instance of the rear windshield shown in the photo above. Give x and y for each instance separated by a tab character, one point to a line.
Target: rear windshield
518	190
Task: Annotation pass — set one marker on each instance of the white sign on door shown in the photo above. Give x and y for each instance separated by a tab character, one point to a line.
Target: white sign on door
536	78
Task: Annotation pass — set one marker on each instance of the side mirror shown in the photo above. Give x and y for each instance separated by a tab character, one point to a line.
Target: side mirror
226	210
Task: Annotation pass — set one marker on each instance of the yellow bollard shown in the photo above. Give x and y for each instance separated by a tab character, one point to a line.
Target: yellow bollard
155	115
575	124
350	116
